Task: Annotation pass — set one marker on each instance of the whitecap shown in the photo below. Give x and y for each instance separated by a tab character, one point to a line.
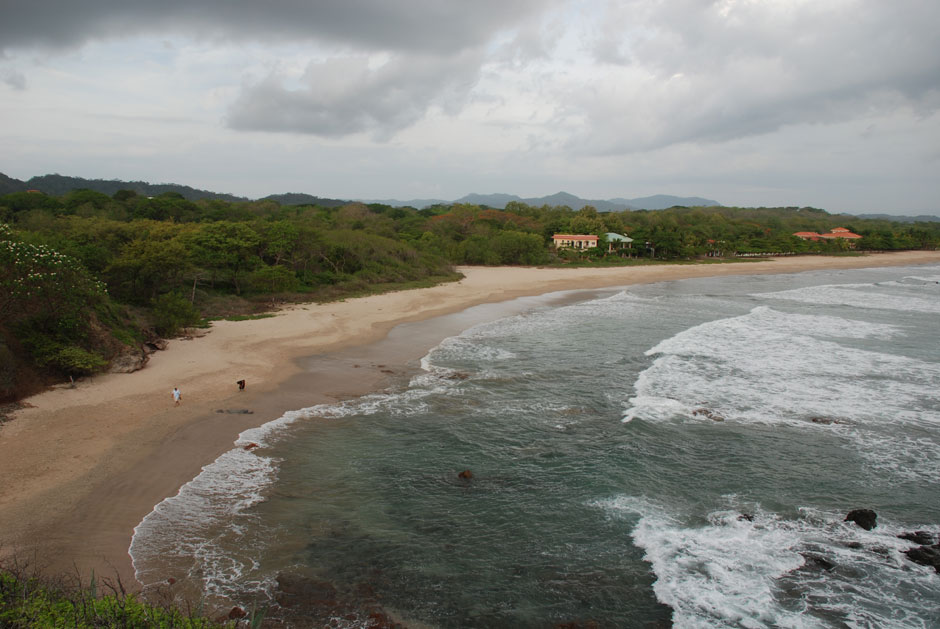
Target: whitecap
856	296
741	566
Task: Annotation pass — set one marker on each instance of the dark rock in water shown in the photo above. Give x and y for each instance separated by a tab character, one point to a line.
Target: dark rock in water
918	537
237	612
710	414
307	602
466	475
295	590
865	518
827	420
819	562
747	517
925	556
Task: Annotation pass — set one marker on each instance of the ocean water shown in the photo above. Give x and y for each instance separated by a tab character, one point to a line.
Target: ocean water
676	454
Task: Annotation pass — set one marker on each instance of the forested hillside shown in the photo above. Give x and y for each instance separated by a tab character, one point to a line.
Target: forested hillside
87	277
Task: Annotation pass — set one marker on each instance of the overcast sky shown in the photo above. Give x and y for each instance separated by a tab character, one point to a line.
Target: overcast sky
828	103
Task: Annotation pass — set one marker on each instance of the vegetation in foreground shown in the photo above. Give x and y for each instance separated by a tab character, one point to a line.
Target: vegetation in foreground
28	601
86	277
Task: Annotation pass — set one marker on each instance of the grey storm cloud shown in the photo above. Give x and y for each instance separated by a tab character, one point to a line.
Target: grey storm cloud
341	96
434	47
420	25
726	70
14	79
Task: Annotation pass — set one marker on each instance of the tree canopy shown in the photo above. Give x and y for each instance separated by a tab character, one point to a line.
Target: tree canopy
76	263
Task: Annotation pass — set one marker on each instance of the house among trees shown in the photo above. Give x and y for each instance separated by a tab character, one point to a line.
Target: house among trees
574	241
841	232
837	232
618	241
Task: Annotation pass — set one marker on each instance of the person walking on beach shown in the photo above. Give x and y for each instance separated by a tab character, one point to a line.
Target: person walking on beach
177	396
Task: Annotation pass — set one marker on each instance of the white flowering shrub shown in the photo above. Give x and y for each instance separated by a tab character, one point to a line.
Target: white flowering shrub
47	299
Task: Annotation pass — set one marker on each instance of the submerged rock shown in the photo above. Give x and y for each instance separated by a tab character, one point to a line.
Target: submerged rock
865	518
925	556
918	537
828	420
710	414
295	590
819	562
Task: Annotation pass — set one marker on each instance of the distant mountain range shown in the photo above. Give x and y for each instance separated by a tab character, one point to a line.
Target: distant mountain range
499	201
920	218
58	185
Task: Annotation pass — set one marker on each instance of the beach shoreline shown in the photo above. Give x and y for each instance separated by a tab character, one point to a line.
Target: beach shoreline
84	465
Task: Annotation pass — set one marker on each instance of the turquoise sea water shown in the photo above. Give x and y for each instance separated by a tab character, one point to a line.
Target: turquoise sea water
681	454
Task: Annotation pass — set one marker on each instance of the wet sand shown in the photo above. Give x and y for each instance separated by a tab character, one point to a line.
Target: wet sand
82	466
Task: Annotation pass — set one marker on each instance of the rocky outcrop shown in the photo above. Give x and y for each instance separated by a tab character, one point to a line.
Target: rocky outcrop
129	361
133	359
918	537
865	518
925	556
155	345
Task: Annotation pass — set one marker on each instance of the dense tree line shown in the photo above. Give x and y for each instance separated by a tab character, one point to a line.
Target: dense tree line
84	273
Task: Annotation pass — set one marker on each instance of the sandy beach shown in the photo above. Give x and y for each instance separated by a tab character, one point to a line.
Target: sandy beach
81	466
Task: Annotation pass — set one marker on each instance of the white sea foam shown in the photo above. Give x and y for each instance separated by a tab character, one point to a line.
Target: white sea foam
470	347
913	459
196	530
861	296
772	367
763	570
929	279
768	367
184	531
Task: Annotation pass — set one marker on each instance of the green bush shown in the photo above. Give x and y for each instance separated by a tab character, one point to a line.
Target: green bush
273	279
29	603
77	361
172	312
